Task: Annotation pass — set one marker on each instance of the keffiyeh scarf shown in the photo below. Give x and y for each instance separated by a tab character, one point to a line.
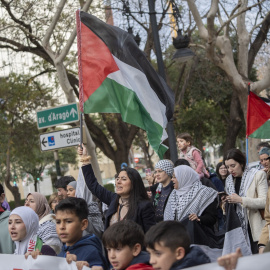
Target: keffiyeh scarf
191	197
246	181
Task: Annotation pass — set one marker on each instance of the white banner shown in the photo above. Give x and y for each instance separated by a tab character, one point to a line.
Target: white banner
43	262
253	262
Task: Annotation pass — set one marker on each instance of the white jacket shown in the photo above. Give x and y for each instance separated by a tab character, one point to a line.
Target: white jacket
256	199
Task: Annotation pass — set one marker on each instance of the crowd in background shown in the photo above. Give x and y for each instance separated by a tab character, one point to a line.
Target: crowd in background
144	228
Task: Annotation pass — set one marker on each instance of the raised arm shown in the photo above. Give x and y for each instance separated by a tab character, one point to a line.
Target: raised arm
91	181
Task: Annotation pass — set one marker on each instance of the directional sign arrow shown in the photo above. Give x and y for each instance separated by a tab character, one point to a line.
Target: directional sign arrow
43	142
73	112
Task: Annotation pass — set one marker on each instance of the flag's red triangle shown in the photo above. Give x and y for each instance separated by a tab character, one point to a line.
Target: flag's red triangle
97	61
258	112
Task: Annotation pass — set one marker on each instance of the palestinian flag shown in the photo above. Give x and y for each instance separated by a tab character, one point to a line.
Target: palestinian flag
116	77
234	236
258	116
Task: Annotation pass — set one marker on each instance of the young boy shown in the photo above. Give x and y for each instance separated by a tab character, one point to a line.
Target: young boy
169	246
71	221
124	241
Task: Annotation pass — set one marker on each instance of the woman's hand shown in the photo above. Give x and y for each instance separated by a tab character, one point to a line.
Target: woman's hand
229	261
234	198
82	151
193	217
70	257
34	254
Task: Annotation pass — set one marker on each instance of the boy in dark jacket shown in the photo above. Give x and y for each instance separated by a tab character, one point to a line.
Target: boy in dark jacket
71	221
124	241
169	246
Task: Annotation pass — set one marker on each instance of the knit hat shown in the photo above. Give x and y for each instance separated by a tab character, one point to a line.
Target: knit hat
265	150
165	165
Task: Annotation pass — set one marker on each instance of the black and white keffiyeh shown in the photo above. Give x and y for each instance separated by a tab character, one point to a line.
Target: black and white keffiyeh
191	197
165	165
246	181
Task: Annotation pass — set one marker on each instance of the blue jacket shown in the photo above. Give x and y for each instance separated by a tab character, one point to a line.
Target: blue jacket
145	215
195	257
89	249
217	182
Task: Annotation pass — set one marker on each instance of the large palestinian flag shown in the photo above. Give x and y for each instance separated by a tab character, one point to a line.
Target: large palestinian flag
116	77
258	116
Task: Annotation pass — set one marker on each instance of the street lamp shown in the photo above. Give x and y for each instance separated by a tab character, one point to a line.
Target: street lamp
181	43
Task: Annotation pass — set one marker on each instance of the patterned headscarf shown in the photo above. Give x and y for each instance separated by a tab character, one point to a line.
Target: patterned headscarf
42	206
191	197
165	165
30	220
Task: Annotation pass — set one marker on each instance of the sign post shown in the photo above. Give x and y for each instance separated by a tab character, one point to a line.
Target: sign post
60	139
58	116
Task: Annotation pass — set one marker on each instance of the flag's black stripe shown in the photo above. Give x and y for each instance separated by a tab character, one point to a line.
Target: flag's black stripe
232	219
266	100
122	45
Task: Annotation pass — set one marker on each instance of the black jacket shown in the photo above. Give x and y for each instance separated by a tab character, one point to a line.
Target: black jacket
145	215
195	257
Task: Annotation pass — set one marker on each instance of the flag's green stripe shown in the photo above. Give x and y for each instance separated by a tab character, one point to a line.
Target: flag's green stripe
263	132
112	97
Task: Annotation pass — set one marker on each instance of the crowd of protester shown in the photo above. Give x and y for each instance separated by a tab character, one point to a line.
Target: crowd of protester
144	228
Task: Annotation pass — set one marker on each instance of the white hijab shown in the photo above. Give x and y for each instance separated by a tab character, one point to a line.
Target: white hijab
186	177
190	197
31	222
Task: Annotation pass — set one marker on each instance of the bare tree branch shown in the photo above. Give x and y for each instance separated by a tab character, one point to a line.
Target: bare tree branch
70	41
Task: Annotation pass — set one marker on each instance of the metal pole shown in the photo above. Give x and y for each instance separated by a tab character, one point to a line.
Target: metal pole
247	149
161	71
57	164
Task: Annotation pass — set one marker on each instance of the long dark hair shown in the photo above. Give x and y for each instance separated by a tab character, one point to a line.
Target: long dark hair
217	170
236	155
137	192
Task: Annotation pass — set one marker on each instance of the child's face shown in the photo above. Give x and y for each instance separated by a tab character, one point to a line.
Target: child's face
182	144
69	227
162	258
16	228
121	257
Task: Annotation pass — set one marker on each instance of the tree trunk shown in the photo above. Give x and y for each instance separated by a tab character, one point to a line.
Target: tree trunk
235	123
119	159
13	189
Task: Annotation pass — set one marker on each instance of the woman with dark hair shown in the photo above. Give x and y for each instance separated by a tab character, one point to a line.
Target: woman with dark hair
247	189
130	200
222	172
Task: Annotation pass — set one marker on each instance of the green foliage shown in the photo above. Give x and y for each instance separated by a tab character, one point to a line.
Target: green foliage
204	110
109	187
20	98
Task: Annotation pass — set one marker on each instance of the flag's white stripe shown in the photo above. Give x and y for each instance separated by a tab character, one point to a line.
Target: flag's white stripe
135	80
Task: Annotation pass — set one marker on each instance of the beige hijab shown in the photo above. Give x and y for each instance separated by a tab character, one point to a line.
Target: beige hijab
42	206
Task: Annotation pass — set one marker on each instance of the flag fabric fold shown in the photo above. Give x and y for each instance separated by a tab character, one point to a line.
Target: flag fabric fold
258	116
116	77
216	244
